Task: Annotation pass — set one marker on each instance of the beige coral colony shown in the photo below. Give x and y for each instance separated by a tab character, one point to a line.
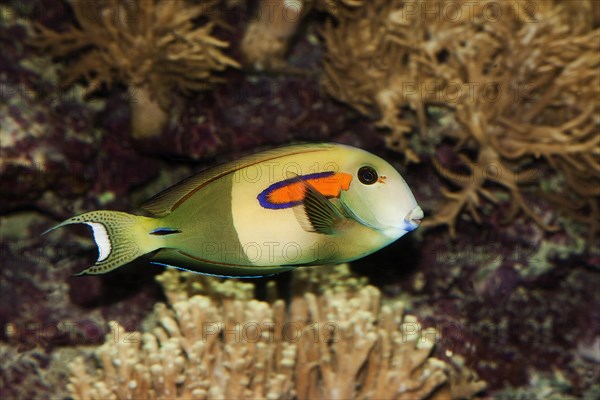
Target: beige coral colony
520	83
151	46
337	338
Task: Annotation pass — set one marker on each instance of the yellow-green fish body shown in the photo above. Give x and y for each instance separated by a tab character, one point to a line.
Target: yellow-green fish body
264	214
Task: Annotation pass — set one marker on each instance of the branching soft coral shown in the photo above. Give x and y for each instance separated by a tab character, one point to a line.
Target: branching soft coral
341	343
522	83
154	47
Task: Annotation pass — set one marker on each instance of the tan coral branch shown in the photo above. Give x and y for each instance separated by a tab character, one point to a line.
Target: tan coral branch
342	342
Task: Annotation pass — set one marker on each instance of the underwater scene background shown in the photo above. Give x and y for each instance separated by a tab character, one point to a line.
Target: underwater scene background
489	109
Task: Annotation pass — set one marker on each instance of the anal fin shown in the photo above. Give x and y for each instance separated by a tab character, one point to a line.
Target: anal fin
174	258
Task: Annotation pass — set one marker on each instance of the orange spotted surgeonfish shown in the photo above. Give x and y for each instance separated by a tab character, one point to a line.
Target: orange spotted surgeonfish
300	205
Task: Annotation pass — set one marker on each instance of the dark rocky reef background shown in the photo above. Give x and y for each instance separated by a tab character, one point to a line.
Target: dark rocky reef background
521	305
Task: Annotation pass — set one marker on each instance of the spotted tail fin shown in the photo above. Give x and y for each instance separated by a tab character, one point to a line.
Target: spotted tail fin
120	238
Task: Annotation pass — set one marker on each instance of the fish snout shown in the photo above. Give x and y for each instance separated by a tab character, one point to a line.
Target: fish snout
413	218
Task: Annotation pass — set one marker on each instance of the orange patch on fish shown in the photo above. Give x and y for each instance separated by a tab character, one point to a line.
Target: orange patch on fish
290	192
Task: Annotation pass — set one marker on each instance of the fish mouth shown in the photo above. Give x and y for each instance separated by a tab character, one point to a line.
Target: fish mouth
413	218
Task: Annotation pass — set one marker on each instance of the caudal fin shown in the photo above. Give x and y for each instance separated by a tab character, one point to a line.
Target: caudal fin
120	238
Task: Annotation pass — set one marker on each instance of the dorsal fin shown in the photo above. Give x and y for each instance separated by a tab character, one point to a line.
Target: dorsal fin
168	200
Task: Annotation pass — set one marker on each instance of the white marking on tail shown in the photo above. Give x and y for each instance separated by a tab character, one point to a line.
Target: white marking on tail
101	239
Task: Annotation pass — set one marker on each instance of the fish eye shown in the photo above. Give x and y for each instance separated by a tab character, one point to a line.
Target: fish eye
367	175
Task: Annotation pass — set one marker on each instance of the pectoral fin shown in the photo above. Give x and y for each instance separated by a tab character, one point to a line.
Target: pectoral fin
317	213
